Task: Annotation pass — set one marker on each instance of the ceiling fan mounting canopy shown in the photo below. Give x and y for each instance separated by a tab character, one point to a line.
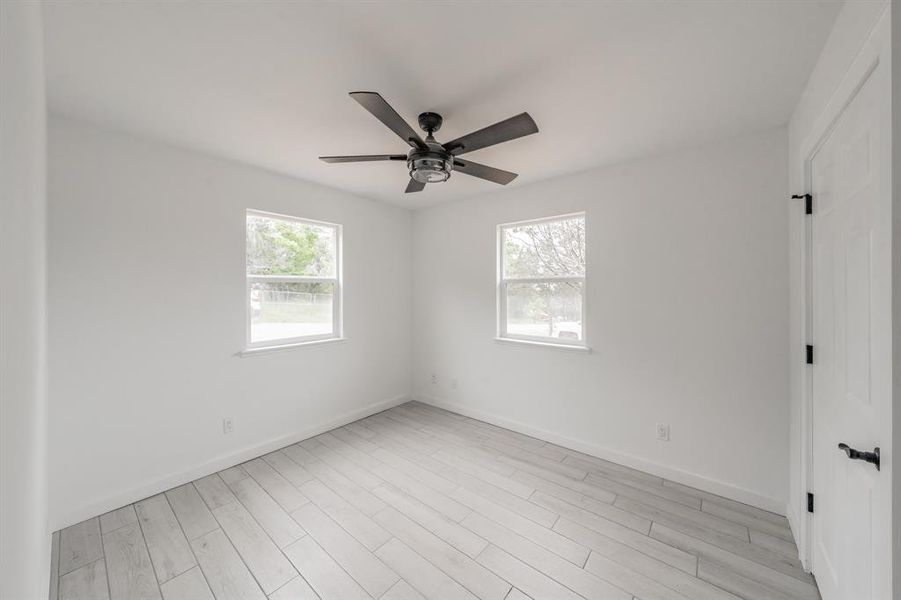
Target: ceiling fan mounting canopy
430	161
430	122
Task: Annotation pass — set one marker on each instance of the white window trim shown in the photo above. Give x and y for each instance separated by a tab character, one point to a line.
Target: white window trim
280	347
502	334
337	297
547	345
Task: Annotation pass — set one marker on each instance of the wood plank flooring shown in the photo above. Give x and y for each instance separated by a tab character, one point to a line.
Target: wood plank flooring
420	503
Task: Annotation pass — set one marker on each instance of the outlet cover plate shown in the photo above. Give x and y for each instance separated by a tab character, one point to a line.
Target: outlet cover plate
663	432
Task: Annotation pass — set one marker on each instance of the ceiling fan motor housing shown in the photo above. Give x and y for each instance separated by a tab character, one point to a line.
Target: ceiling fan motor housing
432	164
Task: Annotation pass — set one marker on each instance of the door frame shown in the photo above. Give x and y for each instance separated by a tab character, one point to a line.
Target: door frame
876	50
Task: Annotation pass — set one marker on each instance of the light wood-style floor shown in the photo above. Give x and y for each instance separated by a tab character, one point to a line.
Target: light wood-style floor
417	502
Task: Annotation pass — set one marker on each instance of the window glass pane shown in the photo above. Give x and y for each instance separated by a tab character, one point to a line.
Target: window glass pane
551	310
284	247
290	310
546	249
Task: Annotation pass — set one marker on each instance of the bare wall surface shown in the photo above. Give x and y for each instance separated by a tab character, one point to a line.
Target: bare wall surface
24	538
896	290
147	315
687	316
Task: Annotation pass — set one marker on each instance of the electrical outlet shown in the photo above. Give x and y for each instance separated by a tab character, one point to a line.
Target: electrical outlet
434	379
228	425
453	384
663	432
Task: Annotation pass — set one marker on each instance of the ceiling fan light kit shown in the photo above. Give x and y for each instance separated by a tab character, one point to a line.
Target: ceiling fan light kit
430	161
430	168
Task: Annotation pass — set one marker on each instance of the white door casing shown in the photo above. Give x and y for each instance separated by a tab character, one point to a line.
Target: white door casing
850	321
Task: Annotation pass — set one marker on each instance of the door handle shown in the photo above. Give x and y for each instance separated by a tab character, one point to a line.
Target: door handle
870	457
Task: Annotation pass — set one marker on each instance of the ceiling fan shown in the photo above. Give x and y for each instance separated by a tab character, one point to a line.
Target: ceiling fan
431	162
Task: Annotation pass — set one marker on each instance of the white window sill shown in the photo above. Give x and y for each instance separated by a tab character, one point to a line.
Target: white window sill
550	345
266	349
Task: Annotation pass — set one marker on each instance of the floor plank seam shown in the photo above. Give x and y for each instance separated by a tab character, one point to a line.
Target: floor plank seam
243	560
190	547
109	587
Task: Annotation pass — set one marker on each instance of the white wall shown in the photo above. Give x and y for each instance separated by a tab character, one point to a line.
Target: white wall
147	309
852	27
24	538
896	291
687	317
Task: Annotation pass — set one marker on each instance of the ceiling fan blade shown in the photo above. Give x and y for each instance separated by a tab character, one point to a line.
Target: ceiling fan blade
509	129
381	110
484	172
363	158
414	186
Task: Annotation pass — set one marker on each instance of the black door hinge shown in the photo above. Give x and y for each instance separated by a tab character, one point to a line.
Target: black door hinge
809	502
809	350
808	202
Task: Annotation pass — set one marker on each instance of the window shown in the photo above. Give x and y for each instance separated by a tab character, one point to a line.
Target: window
541	282
293	282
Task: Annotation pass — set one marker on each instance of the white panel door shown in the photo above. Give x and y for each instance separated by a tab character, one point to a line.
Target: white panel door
851	334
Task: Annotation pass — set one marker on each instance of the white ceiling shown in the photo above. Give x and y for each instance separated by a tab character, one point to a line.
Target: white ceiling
266	83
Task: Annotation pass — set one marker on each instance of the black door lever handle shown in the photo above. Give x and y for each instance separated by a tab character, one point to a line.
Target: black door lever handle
870	457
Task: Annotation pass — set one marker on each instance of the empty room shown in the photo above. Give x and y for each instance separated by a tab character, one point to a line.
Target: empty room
440	300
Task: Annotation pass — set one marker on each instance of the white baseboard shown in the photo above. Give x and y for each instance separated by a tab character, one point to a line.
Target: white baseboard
700	482
80	513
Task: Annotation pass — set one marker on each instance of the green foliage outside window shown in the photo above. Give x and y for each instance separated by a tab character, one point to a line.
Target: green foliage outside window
277	247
